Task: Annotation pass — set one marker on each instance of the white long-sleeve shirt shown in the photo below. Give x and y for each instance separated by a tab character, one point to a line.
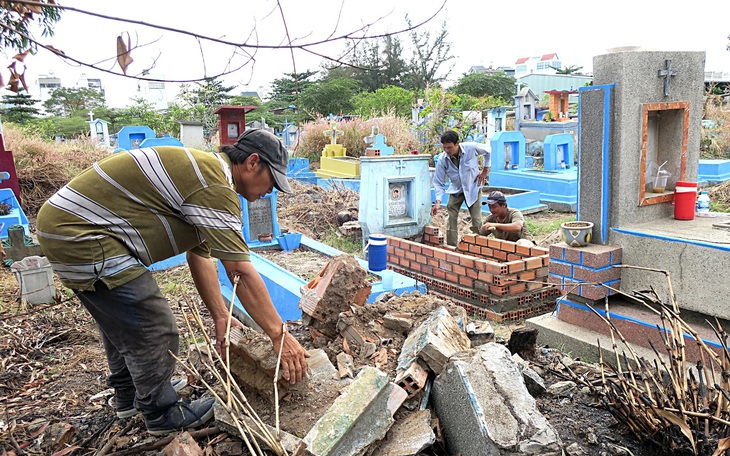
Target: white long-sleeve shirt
464	178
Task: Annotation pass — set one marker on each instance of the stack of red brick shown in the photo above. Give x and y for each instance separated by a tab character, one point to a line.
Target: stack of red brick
486	275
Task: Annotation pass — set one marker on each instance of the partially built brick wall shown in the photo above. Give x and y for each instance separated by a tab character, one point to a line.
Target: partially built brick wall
495	279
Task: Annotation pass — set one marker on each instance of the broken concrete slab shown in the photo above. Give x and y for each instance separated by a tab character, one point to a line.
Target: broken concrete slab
434	341
360	416
484	407
253	363
403	324
408	437
340	284
183	445
224	421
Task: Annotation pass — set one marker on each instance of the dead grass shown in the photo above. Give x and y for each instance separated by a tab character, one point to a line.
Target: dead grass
715	142
396	131
44	166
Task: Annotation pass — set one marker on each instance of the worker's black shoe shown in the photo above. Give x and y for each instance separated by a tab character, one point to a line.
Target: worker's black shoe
125	405
182	415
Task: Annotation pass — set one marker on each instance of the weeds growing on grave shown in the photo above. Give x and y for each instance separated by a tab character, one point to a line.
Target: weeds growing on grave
669	408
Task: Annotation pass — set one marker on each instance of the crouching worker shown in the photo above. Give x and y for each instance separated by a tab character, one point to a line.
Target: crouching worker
504	222
135	208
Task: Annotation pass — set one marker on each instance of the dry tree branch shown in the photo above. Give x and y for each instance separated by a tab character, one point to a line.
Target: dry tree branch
358	34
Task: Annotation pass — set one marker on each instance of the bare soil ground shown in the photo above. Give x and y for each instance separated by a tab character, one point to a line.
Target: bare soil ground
54	399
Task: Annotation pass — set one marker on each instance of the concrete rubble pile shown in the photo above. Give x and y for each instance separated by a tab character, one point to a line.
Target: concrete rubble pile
398	381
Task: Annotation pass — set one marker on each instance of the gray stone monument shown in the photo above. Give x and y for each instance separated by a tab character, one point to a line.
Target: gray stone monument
642	116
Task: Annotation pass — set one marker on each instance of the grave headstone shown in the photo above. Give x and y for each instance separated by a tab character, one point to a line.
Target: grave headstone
376	144
99	131
259	218
35	277
19	246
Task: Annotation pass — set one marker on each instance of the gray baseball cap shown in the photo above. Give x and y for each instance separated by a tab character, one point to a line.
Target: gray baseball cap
495	197
271	151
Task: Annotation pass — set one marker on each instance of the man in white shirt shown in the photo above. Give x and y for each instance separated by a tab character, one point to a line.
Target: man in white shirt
460	163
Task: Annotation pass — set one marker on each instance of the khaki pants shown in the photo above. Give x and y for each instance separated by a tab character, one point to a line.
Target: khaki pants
454	206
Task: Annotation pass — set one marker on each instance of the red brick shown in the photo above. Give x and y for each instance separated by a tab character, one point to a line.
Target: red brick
415	267
513	257
445	265
515	266
517	288
466	281
451	277
533	263
482	240
480	265
390	249
467	262
508	246
473	273
440	254
496	268
485	277
572	255
473	248
421	259
598	276
527	275
427	270
452	258
494	243
542	272
557	251
533	286
545	260
431	230
410	255
416	248
458	269
499	291
562	269
470	238
487	252
395	242
503	280
433	262
427	250
594	292
439	273
500	255
537	251
523	250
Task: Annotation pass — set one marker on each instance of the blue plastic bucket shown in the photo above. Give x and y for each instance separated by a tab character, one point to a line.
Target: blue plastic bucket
377	252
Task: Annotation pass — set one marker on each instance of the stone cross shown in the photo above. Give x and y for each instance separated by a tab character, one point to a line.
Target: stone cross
91	115
21	246
667	74
333	133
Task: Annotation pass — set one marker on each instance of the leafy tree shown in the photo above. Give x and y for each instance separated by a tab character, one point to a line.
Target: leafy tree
70	101
142	112
374	64
497	85
388	100
202	99
330	96
16	23
284	90
21	107
572	69
429	55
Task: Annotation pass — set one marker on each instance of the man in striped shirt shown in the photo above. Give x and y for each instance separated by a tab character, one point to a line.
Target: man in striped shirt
136	208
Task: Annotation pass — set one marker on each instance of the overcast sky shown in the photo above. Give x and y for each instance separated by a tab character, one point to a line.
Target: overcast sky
481	32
